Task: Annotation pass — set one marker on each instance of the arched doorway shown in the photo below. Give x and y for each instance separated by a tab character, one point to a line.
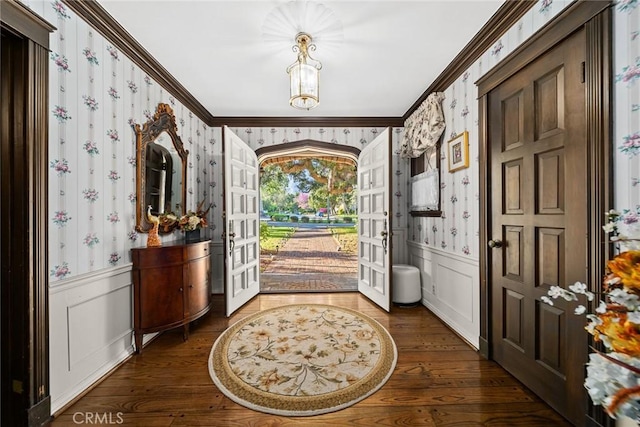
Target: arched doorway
241	210
306	148
320	254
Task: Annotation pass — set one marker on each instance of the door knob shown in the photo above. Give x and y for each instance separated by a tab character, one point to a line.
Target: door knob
495	243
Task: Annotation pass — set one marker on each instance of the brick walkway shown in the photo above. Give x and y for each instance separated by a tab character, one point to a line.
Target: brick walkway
309	261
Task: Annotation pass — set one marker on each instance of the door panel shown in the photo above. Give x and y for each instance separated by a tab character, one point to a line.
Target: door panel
538	162
550	190
374	220
242	230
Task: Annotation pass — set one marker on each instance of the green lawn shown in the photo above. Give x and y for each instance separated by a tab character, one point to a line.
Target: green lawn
347	238
272	238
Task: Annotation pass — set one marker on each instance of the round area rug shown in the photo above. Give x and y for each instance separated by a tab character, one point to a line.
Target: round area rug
301	360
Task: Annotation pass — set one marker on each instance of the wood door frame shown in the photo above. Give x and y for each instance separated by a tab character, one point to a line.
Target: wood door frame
595	17
24	304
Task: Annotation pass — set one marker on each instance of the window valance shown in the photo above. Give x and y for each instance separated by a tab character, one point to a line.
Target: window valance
423	128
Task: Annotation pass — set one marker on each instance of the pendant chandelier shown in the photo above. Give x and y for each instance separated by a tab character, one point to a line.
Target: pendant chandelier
304	75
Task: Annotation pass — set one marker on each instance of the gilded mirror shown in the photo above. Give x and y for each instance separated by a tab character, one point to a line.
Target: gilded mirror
161	168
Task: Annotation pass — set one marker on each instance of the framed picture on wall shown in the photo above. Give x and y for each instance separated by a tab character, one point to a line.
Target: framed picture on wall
458	152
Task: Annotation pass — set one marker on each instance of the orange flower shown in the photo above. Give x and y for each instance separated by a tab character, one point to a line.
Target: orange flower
627	267
623	336
283	349
364	335
269	378
351	378
262	334
622	396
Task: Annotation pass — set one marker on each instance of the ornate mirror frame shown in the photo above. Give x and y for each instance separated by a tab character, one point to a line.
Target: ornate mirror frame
163	121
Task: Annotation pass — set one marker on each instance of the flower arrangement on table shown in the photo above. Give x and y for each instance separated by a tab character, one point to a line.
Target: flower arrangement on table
613	376
167	222
194	220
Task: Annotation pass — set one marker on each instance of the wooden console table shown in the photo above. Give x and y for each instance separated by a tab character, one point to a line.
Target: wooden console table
170	287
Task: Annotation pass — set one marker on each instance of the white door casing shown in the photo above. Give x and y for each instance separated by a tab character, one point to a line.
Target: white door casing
374	220
242	225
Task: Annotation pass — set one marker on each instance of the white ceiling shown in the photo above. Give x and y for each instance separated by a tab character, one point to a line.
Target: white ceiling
378	57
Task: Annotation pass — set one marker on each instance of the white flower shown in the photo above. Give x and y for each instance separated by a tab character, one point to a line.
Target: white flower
634	317
605	379
609	382
622	297
557	291
194	221
602	308
578	287
581	289
593	321
613	280
546	300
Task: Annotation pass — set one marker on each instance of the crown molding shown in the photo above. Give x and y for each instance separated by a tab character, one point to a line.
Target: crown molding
504	18
17	17
575	15
96	16
308	121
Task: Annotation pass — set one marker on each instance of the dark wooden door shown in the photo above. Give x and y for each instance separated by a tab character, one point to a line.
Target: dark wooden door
538	180
24	304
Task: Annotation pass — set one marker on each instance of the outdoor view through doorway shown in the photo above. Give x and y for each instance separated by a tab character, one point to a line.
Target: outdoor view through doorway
242	170
308	217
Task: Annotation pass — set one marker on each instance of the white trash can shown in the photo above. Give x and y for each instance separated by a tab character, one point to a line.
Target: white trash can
406	284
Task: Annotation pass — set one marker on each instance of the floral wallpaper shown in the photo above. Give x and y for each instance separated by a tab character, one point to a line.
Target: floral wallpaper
96	94
458	229
353	137
626	93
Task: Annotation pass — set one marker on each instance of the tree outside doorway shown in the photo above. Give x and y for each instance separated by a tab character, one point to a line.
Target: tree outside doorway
308	199
309	187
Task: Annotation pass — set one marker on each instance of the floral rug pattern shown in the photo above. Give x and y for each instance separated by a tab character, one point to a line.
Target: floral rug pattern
302	359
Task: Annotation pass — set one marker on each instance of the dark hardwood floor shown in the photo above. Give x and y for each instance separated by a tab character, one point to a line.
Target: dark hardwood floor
439	380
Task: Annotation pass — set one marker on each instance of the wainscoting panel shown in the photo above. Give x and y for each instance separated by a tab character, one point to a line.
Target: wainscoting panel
90	330
450	288
423	260
84	338
451	285
91	326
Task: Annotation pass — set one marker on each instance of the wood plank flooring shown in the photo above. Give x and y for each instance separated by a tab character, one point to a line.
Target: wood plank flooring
439	380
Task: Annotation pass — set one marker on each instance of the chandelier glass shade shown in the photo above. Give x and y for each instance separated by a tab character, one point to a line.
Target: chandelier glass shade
304	75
